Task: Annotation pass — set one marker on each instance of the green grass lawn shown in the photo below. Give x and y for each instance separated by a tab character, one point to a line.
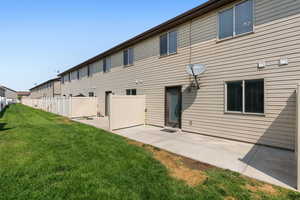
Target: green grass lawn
44	156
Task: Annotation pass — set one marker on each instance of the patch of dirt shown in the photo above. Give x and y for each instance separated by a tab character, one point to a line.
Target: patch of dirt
197	165
265	188
179	167
230	198
64	120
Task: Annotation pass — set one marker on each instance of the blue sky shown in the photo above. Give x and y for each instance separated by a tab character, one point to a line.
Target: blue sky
37	38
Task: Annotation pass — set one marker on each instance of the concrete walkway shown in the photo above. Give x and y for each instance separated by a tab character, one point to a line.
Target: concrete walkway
271	165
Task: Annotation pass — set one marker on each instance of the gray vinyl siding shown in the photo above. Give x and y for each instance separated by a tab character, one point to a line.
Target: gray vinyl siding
234	59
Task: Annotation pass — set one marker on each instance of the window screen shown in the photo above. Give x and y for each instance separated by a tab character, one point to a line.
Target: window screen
125	57
236	20
130	56
254	96
131	92
106	64
91	94
235	96
226	24
172	42
244	17
164	45
88	71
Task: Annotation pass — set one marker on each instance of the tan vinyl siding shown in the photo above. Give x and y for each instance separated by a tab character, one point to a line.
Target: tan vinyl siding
204	28
270	10
49	89
234	59
146	49
117	59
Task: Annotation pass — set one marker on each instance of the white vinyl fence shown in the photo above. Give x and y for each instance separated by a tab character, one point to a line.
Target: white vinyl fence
3	103
66	106
126	111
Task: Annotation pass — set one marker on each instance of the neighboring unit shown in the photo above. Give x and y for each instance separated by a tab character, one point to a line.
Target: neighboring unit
50	88
23	94
10	94
2	92
251	52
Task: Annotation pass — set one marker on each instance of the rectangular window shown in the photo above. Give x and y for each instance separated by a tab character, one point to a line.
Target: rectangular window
131	92
226	24
254	96
125	57
128	57
106	64
88	71
78	74
172	42
168	43
236	20
235	96
91	94
245	96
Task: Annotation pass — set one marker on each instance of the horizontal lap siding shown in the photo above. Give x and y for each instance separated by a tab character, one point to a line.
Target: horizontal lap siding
235	59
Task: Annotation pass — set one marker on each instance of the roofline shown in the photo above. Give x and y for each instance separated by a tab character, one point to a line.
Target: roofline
180	19
6	88
51	80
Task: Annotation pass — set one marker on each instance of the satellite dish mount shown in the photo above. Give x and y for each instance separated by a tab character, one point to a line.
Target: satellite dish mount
195	70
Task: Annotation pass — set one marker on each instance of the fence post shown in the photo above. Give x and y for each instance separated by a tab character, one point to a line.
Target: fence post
298	135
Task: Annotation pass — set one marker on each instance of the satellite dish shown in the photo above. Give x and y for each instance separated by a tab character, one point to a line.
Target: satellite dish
195	69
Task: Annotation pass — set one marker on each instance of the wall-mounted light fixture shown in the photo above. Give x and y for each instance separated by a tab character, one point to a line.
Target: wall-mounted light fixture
261	64
283	61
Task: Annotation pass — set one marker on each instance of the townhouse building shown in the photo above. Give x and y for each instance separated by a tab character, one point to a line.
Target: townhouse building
2	92
50	88
251	52
10	94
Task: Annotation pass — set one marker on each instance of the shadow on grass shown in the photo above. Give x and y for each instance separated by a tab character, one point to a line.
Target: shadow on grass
3	111
2	127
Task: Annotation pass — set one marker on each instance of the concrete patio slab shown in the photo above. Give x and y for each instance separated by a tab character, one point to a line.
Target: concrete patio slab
272	165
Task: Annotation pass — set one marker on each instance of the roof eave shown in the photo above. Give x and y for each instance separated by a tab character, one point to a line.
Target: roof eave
180	19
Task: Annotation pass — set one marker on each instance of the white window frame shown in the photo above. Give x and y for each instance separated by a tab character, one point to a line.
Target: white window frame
107	69
168	43
128	56
233	7
243	112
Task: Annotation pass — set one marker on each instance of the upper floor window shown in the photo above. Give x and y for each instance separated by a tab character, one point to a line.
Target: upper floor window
236	20
168	43
245	96
88	71
106	64
128	57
